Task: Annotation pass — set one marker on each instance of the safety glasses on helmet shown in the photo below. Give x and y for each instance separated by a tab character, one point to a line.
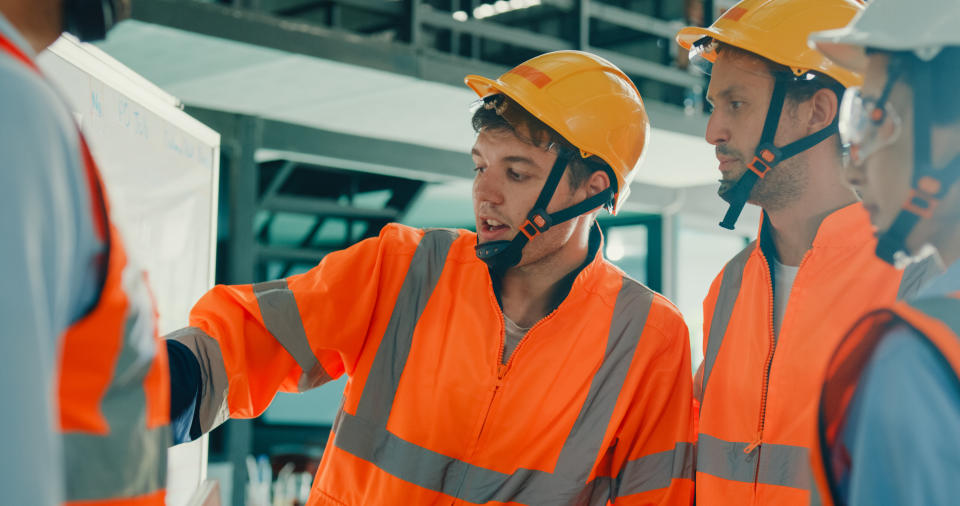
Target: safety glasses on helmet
868	124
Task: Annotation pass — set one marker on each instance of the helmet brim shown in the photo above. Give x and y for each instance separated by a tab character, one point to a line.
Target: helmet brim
482	86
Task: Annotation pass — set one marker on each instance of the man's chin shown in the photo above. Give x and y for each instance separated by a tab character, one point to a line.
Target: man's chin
724	190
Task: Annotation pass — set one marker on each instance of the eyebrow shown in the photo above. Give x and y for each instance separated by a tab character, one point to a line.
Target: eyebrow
730	90
508	159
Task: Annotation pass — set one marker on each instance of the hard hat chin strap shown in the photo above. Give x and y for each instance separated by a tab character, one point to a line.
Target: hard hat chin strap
928	185
501	255
767	155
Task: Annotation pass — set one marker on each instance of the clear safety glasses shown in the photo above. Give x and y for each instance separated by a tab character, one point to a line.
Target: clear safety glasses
868	124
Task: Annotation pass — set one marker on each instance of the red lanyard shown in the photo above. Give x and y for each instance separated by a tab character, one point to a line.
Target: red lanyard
15	51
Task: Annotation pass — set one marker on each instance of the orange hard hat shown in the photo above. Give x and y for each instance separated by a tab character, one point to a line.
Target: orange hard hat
587	100
778	30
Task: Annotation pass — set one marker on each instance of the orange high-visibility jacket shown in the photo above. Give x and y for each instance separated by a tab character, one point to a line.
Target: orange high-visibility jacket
759	391
935	318
114	388
594	405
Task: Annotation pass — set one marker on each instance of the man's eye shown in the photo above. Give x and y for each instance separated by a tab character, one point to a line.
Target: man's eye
516	176
736	104
479	170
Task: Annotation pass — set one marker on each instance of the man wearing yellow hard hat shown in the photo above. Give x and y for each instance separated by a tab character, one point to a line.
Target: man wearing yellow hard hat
778	308
512	365
889	414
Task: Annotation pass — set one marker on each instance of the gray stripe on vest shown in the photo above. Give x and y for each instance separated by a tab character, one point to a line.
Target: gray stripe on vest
586	437
130	460
440	473
783	465
278	308
725	459
657	470
376	401
916	274
368	439
945	309
214	384
723	310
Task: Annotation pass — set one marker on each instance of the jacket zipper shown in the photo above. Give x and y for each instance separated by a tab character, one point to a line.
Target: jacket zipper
769	362
501	367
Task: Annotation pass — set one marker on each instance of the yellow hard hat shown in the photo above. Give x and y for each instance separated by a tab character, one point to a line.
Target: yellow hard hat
778	30
587	100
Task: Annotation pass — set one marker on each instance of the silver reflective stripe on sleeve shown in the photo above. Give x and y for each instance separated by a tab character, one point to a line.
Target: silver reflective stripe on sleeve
723	310
657	470
213	376
783	465
278	308
916	274
365	436
130	460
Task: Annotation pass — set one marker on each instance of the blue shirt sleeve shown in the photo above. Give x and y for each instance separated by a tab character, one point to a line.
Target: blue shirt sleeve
903	431
48	260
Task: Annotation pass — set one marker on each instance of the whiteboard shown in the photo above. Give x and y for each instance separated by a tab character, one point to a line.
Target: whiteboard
160	168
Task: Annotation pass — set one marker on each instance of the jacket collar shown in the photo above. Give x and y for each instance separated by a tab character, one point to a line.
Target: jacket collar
846	227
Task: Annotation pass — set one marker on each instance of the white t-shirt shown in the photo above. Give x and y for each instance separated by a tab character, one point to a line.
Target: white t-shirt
512	336
784	275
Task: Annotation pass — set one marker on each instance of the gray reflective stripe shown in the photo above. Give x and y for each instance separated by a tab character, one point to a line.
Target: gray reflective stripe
130	460
586	437
945	309
278	308
916	274
725	459
364	435
657	470
783	465
213	376
422	276
723	310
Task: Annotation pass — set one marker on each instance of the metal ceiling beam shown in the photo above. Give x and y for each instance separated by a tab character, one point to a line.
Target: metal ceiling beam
324	207
324	147
515	36
269	31
635	21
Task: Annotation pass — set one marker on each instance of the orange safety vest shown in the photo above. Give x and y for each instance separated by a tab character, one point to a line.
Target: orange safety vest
935	318
113	377
758	390
593	406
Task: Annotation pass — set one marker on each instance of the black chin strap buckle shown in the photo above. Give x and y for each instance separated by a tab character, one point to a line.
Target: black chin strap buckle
538	221
923	197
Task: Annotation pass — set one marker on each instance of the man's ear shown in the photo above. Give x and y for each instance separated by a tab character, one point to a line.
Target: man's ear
824	108
598	181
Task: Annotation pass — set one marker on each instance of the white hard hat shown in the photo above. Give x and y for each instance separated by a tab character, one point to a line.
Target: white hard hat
924	27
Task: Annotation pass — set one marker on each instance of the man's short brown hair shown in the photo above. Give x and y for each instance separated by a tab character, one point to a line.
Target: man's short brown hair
490	116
